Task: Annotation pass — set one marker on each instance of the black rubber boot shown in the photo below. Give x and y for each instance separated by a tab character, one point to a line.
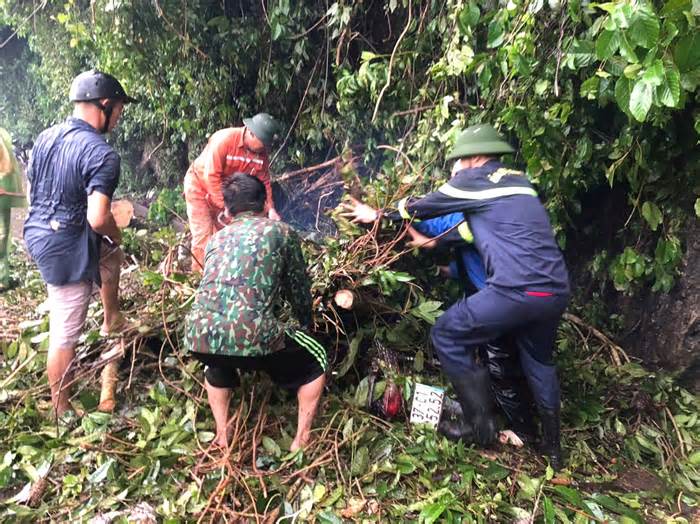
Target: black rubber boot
452	424
455	429
510	389
550	445
474	394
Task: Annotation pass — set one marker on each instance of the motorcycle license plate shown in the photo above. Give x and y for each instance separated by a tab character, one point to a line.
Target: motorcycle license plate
427	405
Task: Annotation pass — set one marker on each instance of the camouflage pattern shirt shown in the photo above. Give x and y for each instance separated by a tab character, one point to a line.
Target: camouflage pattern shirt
250	266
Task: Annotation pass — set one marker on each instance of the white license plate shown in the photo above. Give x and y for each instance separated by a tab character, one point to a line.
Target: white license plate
427	405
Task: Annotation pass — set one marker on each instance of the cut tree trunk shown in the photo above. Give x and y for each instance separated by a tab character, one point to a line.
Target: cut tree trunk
345	299
123	212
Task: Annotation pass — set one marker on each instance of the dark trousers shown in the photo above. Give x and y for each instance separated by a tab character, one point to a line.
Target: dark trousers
531	322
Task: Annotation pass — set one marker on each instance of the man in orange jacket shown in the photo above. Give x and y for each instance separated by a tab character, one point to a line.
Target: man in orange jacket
231	150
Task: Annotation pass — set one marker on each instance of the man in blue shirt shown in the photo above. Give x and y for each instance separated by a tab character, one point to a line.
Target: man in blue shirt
527	288
70	231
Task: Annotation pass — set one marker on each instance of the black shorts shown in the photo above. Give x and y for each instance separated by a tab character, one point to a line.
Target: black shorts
301	361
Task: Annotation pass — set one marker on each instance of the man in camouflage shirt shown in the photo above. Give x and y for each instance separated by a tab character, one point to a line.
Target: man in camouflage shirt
249	267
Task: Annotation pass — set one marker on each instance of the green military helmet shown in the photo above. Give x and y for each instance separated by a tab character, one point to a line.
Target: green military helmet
481	139
264	126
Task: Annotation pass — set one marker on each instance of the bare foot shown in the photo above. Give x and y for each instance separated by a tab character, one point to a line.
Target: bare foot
221	441
110	328
300	442
68	410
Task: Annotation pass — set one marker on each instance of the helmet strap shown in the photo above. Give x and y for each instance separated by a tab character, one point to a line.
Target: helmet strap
107	111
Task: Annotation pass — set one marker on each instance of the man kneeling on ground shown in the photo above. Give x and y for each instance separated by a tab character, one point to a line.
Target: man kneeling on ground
235	323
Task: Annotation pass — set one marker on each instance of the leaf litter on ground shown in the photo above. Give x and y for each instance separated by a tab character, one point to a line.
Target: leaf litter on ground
631	436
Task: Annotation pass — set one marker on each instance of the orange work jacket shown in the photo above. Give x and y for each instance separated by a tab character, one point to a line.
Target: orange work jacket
224	155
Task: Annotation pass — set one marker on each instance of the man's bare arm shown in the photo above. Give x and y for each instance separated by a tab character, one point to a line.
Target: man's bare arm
100	218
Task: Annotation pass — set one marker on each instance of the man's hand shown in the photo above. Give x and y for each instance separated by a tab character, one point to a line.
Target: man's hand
359	213
419	240
272	214
100	218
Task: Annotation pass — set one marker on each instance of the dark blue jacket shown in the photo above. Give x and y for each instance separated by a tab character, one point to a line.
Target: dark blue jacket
510	226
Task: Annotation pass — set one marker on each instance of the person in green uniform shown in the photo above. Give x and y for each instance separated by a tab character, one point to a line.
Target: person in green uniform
236	321
10	196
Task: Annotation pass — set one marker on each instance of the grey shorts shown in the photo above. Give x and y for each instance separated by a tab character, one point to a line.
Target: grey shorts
68	304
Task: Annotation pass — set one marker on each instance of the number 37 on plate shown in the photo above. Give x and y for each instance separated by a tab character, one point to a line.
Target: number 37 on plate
427	405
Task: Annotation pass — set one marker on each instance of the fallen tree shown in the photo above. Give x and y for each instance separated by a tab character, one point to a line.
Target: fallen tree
631	437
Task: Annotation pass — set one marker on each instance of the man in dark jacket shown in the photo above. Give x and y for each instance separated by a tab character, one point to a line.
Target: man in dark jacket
508	383
527	286
70	231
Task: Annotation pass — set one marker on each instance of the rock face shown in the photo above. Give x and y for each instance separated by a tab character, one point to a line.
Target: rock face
664	329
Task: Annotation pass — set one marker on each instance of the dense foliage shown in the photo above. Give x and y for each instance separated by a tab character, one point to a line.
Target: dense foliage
600	98
632	437
596	95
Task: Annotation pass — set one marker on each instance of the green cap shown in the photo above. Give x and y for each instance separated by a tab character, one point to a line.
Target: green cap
482	139
264	126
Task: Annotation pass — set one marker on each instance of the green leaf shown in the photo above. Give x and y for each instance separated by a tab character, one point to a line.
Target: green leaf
622	14
697	207
277	30
101	473
548	510
360	461
675	7
152	279
645	28
607	43
589	88
580	54
496	34
613	505
428	311
432	512
640	100
652	214
687	52
328	517
694	459
654	75
670	92
349	359
271	447
690	81
367	56
572	496
468	17
405	464
362	392
419	361
627	49
623	87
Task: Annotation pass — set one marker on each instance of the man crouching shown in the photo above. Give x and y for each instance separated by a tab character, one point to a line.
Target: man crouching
249	266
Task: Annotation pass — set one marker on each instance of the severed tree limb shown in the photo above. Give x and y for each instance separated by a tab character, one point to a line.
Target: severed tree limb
123	212
344	298
291	174
110	378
